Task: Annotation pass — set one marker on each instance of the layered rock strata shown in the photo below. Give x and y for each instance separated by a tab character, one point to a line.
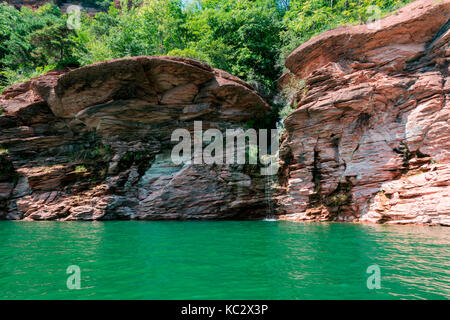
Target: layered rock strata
94	143
369	139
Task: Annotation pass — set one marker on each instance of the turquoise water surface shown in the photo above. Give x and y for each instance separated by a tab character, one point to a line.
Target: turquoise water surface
222	260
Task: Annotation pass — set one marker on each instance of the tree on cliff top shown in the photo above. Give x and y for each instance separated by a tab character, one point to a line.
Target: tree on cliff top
52	42
241	37
305	19
248	38
31	41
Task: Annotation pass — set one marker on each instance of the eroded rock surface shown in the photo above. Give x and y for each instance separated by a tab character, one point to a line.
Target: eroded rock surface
94	143
369	139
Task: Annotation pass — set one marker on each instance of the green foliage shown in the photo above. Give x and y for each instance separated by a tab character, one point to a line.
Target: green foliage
21	75
155	28
338	200
80	169
96	152
190	53
248	38
241	37
305	19
285	111
32	41
294	86
141	159
290	94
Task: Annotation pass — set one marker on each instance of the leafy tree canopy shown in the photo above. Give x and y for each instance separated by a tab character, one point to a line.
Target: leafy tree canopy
248	38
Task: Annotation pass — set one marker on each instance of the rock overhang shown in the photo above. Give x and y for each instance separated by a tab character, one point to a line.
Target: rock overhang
368	139
406	32
93	143
175	86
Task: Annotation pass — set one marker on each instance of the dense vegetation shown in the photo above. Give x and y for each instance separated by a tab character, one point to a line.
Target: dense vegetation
248	38
98	4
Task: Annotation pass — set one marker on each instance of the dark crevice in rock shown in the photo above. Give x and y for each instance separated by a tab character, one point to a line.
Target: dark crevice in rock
316	198
141	159
392	92
403	150
91	143
440	33
363	120
339	198
7	170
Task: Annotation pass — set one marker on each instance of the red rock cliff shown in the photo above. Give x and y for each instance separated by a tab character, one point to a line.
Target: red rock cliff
369	139
94	143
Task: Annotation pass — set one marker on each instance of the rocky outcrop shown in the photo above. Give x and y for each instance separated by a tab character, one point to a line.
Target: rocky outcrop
369	137
91	9
94	143
367	141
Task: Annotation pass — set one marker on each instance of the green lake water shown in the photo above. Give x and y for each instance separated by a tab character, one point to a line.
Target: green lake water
222	260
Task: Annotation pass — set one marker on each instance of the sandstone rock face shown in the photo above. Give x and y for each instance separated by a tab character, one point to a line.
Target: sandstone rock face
94	143
369	139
